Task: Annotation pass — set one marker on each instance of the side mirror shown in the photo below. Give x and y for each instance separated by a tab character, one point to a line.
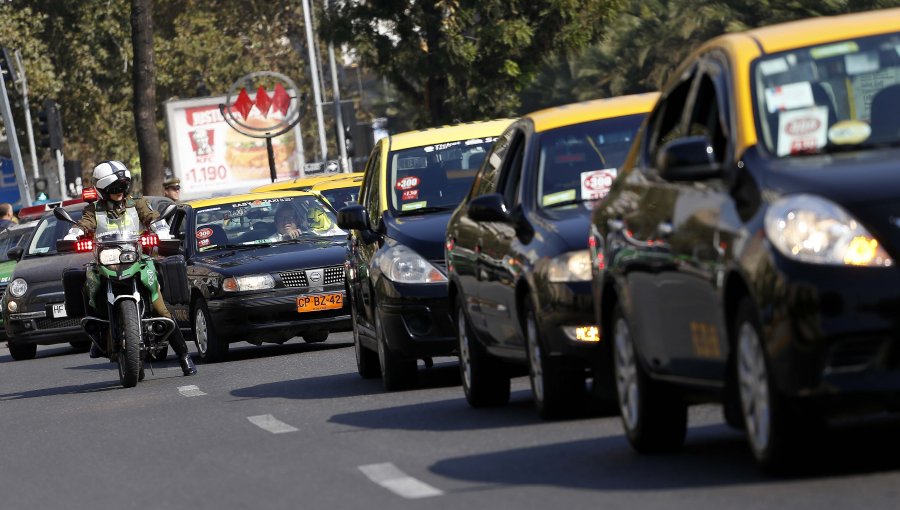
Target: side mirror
688	159
489	207
62	215
178	215
15	253
168	212
354	217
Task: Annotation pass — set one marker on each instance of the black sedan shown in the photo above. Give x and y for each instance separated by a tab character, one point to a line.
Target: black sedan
517	253
265	267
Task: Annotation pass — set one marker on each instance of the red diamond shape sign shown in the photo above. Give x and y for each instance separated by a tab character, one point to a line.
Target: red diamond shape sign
262	101
243	103
280	100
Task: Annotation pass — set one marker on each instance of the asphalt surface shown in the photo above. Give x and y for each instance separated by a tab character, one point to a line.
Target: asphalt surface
294	426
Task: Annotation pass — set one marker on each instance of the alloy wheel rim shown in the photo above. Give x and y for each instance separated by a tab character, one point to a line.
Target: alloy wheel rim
201	332
754	387
534	357
626	375
465	354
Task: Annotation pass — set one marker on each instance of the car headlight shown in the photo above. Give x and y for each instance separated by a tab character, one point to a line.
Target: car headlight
109	256
813	229
402	265
574	266
18	287
245	283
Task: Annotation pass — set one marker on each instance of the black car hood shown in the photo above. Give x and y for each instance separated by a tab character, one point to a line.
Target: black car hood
49	268
281	257
846	178
570	224
423	233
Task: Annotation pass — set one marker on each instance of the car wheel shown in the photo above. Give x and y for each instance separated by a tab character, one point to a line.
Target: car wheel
556	391
81	346
654	417
367	363
212	349
484	378
773	428
396	373
22	352
314	337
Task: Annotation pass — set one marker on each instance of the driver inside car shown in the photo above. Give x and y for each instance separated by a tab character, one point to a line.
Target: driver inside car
112	179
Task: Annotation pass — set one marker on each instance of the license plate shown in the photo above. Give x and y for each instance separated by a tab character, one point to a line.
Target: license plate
58	310
319	302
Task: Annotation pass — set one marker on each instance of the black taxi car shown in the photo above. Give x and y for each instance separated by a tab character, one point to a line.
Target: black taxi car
262	267
395	261
517	252
747	253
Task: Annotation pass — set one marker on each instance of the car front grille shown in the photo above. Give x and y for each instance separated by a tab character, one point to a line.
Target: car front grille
333	275
66	322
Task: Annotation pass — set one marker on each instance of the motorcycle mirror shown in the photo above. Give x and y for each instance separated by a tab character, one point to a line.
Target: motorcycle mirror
63	215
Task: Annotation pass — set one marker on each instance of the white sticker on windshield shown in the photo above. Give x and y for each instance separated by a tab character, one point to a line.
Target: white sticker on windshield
596	183
789	97
412	206
861	63
801	131
774	66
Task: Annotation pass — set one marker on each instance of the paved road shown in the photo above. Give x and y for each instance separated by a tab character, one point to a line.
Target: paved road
293	426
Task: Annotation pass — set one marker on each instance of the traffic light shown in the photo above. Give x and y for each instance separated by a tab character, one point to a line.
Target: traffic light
7	65
50	126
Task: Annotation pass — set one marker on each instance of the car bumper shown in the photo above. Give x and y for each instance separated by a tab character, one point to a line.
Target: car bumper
274	315
832	332
416	319
564	307
43	330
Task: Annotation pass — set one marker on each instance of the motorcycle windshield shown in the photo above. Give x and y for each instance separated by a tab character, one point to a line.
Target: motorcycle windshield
124	228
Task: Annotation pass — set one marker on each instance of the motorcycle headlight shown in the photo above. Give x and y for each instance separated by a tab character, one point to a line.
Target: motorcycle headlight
128	257
574	266
245	283
18	287
109	256
813	229
402	265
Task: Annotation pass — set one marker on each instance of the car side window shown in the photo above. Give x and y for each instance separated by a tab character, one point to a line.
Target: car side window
667	121
486	180
512	170
706	116
371	199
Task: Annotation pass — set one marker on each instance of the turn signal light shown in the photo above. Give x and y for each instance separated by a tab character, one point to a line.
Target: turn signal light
149	240
84	245
587	334
89	195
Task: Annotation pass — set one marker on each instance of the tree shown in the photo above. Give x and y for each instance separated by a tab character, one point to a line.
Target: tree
460	60
144	72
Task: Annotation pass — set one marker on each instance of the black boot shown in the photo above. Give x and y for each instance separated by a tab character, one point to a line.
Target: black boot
187	365
95	351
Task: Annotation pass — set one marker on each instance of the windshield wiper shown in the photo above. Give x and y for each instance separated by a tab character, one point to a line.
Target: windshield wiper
429	209
565	202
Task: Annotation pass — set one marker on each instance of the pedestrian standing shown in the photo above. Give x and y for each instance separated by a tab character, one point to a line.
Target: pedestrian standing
6	216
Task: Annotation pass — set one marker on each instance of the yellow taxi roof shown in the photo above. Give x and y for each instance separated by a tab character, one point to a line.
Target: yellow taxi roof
294	184
824	29
348	182
587	111
247	197
465	131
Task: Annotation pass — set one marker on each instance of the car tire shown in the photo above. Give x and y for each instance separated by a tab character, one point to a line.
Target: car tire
654	416
775	428
485	380
367	363
396	374
314	337
81	346
556	391
211	347
22	352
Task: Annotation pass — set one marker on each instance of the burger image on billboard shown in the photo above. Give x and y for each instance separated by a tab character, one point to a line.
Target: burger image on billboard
247	157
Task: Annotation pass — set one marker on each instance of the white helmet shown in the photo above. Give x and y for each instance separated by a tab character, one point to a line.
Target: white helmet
112	177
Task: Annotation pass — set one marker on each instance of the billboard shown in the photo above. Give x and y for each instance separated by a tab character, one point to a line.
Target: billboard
213	159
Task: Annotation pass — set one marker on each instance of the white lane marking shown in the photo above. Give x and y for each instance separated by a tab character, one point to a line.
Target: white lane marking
271	424
190	391
391	478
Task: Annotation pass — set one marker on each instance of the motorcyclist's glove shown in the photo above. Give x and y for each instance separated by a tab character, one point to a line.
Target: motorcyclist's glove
161	229
74	234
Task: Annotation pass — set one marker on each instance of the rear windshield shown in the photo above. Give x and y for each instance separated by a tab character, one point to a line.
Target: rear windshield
435	177
341	197
580	162
48	231
829	98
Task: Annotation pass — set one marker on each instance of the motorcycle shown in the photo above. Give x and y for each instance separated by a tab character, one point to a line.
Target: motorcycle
127	277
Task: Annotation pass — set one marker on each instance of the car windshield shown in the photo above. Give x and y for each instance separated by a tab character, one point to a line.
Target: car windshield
580	162
48	231
264	221
9	239
341	197
435	177
829	98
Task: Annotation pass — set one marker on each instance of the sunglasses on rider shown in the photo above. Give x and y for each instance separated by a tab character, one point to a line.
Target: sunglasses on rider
176	187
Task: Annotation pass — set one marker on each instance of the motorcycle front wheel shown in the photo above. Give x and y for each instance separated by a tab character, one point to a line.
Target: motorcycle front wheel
129	357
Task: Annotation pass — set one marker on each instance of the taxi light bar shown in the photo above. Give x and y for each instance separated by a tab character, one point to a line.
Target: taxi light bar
84	245
33	211
149	240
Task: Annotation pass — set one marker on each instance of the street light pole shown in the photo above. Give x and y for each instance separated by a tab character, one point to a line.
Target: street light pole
28	129
338	114
314	71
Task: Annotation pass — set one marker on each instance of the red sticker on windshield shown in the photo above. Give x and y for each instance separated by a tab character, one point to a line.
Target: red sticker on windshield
204	233
408	182
410	194
203	243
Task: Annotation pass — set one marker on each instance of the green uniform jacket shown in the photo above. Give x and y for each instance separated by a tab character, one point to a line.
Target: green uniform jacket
146	213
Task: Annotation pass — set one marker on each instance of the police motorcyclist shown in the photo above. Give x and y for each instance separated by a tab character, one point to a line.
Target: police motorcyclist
112	179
